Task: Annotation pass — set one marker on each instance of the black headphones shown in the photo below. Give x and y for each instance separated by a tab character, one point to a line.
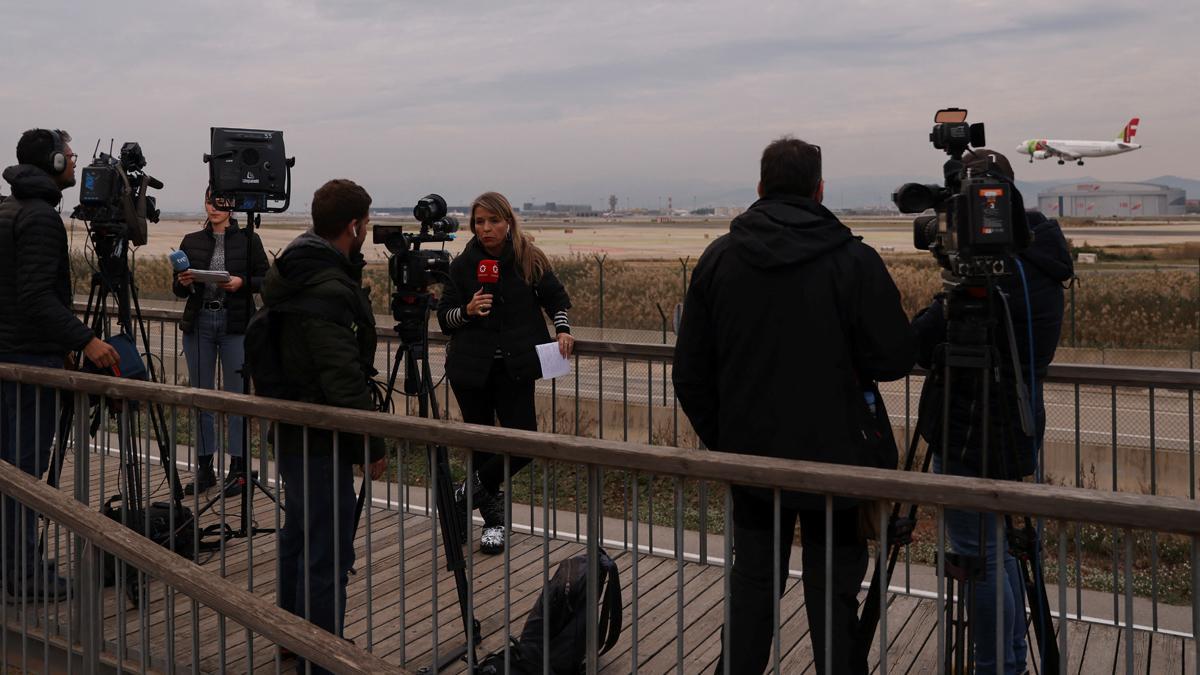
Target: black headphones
57	159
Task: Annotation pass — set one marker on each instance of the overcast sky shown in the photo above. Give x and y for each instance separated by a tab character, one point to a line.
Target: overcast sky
571	100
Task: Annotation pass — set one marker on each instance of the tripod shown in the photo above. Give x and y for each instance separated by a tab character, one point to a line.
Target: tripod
411	311
112	281
974	309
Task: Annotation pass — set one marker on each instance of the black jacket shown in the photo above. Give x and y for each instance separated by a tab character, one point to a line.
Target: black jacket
199	247
1037	323
327	341
35	269
787	320
515	325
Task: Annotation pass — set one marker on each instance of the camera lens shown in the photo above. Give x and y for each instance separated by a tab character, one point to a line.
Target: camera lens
429	208
925	229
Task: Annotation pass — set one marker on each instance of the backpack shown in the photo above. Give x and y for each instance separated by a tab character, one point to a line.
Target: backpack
262	358
563	605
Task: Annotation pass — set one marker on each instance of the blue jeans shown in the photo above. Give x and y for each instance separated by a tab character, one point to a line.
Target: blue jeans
201	347
962	531
330	494
34	411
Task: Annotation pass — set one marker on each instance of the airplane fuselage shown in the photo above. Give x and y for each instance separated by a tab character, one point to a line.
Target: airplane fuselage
1071	150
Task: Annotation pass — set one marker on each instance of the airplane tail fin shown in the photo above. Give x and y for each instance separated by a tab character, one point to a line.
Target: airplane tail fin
1130	130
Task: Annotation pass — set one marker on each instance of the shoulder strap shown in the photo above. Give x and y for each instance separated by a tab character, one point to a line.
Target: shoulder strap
610	612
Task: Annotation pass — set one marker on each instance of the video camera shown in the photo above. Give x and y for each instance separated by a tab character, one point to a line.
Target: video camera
249	171
112	195
978	221
410	267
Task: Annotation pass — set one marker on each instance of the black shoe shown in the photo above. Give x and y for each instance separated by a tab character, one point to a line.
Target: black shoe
38	587
491	507
479	496
204	480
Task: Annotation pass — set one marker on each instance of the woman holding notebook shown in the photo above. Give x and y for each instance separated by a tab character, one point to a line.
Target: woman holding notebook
213	323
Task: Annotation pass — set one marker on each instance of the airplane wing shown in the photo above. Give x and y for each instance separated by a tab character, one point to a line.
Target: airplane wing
1060	152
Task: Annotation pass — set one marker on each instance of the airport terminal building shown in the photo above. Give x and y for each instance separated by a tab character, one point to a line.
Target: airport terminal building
1112	200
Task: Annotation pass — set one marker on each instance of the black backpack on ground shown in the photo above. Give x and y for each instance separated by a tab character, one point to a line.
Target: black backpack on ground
563	605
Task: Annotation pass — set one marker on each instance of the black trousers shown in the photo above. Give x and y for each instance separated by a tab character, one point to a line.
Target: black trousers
501	398
752	585
312	583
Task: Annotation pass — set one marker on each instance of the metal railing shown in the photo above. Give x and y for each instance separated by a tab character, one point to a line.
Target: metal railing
401	604
1109	428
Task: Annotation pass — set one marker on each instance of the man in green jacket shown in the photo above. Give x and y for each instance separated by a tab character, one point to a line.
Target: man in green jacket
327	348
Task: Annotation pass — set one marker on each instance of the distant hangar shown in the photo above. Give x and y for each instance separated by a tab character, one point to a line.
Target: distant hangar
1112	200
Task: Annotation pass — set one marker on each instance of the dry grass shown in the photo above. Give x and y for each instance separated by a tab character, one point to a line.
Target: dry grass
1132	309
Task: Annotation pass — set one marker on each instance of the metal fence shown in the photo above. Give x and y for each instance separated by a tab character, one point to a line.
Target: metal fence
660	511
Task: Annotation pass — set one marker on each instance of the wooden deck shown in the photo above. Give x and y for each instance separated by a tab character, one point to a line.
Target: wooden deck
399	580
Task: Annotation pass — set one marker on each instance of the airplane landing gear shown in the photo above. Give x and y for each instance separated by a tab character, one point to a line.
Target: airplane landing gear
1080	162
1061	162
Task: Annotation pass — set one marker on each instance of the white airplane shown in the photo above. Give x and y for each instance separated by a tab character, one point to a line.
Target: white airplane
1075	151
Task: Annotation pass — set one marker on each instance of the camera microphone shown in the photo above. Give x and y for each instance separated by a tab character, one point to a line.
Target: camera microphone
180	263
488	274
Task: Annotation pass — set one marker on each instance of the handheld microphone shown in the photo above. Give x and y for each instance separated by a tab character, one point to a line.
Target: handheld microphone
180	263
488	274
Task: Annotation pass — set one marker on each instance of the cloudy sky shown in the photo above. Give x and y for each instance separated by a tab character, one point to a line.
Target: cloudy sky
569	100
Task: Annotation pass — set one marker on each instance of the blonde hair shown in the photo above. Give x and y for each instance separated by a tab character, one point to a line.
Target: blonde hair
530	259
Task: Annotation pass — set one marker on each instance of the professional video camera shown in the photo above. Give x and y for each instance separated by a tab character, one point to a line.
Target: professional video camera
112	195
411	268
978	220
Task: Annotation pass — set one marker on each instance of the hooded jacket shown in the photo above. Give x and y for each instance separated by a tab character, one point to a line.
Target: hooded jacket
327	341
1045	266
513	328
35	269
787	320
244	257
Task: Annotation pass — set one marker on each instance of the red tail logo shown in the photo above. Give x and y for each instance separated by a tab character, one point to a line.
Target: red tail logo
1130	130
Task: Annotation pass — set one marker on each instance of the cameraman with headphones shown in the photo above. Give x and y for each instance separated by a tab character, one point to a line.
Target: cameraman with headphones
37	328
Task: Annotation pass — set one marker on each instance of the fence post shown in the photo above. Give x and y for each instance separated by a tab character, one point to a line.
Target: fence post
1192	352
664	321
600	264
1073	283
683	264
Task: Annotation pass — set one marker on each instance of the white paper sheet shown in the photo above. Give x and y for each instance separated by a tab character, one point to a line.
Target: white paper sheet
553	363
210	276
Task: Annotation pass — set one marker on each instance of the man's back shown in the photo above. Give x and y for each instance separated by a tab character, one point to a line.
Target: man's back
35	278
788	318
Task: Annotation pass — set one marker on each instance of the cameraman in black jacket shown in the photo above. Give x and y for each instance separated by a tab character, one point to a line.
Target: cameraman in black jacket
37	328
789	321
491	361
1035	303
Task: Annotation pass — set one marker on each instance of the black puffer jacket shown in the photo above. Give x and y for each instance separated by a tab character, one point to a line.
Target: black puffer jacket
515	325
238	249
787	320
327	336
1037	324
35	269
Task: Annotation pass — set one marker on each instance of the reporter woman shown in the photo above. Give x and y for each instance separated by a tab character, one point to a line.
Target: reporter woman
213	324
491	361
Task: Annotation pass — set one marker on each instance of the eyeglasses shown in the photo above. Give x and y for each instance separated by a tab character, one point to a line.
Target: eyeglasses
71	157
